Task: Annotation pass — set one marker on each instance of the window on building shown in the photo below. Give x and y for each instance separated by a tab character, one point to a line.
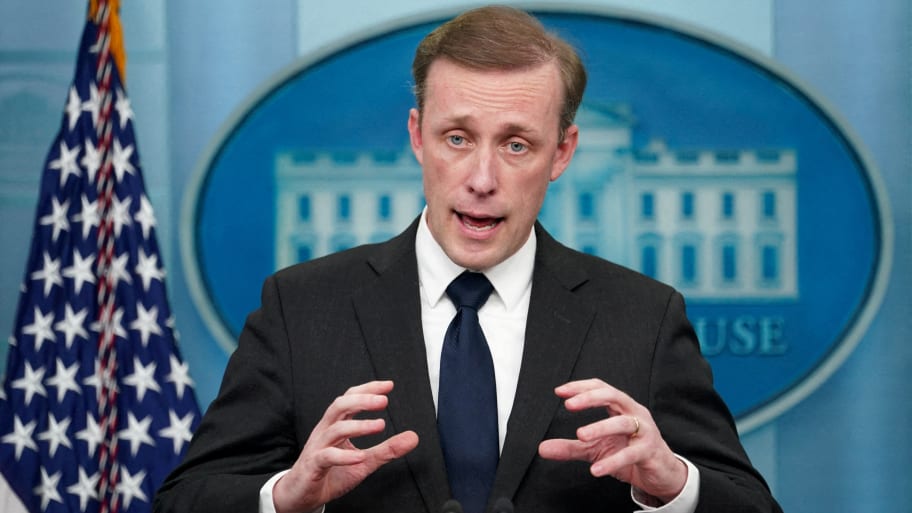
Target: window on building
343	207
649	261
304	207
688	263
728	205
586	205
647	206
650	245
385	207
687	205
729	263
768	205
769	257
305	252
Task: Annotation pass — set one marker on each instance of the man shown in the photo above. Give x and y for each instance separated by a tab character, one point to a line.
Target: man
603	402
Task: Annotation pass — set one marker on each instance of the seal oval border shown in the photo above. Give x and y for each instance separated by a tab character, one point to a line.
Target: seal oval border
856	327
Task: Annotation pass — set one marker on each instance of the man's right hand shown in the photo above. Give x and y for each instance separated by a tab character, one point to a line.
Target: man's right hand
329	465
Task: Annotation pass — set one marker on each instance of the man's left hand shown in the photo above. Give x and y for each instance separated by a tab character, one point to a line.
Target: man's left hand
627	445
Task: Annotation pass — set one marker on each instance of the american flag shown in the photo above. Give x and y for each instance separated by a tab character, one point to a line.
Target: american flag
97	405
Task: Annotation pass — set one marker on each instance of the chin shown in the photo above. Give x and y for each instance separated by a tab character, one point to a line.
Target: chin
475	260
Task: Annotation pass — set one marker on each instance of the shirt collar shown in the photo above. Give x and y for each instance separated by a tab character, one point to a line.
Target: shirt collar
511	278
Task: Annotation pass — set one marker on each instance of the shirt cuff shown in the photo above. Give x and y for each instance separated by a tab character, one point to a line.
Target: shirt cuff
685	502
266	504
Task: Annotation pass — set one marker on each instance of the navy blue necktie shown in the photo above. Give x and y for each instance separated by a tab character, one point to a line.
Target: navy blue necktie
467	397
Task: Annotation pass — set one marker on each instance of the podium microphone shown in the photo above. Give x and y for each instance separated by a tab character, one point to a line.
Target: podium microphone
451	506
503	505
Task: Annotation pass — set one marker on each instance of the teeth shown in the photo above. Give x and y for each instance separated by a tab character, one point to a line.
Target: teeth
474	224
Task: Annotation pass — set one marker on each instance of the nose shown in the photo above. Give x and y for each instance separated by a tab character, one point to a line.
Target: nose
482	178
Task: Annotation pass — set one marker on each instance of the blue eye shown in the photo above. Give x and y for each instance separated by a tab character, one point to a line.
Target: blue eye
456	140
517	147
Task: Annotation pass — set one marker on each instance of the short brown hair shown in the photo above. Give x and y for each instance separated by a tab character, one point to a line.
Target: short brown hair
501	38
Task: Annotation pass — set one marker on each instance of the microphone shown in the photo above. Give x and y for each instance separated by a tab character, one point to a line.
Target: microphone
503	505
451	506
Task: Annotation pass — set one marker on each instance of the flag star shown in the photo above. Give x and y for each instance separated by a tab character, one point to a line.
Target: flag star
137	433
116	324
21	436
146	323
80	272
145	216
40	328
121	160
130	487
85	488
180	376
57	218
30	382
143	378
73	325
179	430
120	214
93	105
48	489
89	216
124	112
50	273
118	269
148	269
66	162
73	107
171	324
94	380
91	160
56	434
91	435
64	379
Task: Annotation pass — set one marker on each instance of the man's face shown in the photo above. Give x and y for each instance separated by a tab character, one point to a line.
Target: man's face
487	142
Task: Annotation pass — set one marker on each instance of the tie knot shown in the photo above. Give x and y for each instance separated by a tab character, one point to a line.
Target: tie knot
469	290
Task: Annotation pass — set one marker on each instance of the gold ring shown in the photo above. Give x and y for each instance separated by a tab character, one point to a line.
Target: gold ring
636	427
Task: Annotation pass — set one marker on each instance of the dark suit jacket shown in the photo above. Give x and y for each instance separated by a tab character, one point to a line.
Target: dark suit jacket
353	317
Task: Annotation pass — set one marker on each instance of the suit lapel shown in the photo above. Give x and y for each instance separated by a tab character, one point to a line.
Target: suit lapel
389	313
556	327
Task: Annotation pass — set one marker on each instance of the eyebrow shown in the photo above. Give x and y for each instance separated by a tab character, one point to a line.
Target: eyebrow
512	128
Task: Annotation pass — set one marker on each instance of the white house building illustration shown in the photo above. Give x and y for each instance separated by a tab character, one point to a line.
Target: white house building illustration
716	224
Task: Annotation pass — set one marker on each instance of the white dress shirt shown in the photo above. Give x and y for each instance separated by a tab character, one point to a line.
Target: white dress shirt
503	320
502	317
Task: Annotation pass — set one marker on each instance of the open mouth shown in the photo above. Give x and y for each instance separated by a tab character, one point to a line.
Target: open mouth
479	224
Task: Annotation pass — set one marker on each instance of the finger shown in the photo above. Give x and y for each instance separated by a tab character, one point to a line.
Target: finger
562	449
576	387
340	431
372	387
626	426
392	448
370	396
330	457
615	462
605	396
348	405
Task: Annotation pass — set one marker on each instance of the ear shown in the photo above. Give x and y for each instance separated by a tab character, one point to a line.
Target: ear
564	153
414	128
